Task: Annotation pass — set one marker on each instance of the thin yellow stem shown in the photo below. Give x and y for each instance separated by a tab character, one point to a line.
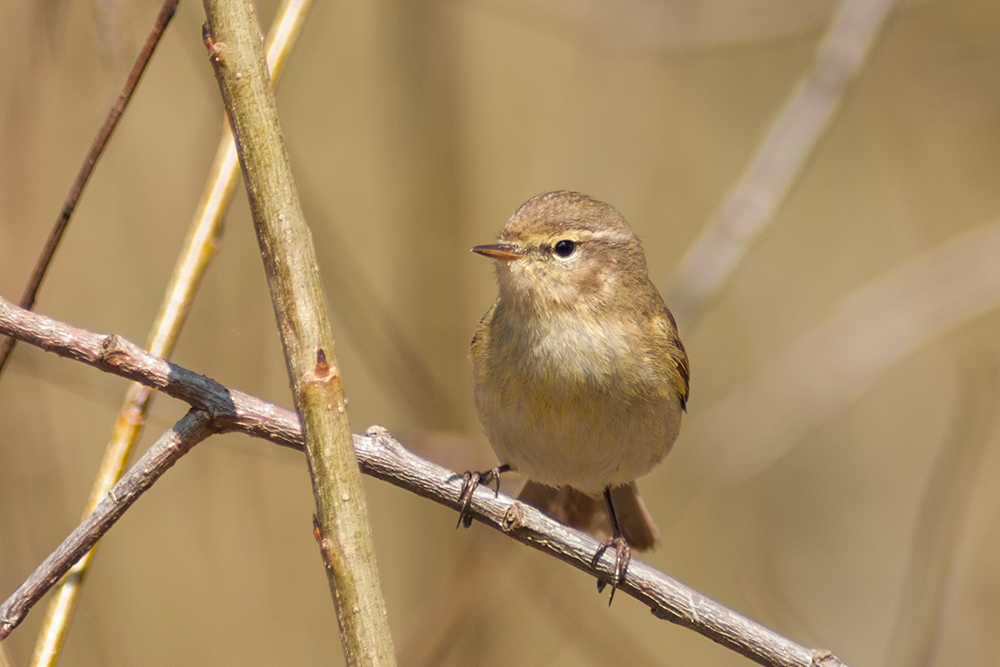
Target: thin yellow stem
199	248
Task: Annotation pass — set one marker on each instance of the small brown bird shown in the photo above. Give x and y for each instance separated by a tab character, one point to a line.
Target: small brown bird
579	377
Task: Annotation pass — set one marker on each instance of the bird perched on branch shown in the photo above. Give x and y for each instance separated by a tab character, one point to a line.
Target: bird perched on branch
579	376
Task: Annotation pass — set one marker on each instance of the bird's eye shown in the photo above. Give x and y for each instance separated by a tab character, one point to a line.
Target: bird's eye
564	248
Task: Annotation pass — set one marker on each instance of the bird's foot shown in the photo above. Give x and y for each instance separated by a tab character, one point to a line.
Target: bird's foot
623	554
470	481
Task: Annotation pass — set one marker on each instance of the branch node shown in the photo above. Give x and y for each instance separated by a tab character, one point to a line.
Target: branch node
513	518
693	608
824	658
215	48
670	614
383	438
322	367
324	374
114	349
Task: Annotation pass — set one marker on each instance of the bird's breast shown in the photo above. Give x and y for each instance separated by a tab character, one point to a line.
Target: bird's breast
574	405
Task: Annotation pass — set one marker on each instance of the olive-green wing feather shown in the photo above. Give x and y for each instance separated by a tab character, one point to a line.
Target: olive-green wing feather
677	355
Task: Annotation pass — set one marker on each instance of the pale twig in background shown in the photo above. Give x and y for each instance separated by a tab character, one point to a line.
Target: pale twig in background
235	49
96	148
873	328
380	456
198	250
940	522
752	204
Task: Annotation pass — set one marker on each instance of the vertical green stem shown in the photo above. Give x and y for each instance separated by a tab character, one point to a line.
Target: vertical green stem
236	50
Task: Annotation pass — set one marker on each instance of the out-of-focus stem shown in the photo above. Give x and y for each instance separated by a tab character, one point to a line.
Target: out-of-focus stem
753	202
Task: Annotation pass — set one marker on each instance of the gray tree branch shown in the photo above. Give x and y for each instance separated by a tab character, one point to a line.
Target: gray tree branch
218	409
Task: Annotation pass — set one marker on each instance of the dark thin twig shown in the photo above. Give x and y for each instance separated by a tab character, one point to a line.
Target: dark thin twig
96	148
379	456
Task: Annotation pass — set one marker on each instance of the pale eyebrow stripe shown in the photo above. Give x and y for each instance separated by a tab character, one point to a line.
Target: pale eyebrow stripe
604	234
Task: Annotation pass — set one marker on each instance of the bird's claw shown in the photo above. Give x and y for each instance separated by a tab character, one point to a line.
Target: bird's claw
623	554
471	481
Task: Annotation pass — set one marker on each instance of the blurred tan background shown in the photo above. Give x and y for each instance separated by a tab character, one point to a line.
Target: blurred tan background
835	475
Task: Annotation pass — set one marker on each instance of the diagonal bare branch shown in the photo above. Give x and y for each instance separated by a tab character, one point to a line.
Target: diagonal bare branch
383	457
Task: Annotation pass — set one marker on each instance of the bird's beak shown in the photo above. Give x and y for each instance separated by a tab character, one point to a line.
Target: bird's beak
501	251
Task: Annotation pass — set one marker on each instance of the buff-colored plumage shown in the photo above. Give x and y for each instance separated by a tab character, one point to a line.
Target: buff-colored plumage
579	376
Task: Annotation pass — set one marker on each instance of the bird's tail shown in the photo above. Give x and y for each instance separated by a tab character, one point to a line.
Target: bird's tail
590	514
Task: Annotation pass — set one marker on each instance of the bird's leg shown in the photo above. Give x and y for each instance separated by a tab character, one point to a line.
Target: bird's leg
471	480
623	554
